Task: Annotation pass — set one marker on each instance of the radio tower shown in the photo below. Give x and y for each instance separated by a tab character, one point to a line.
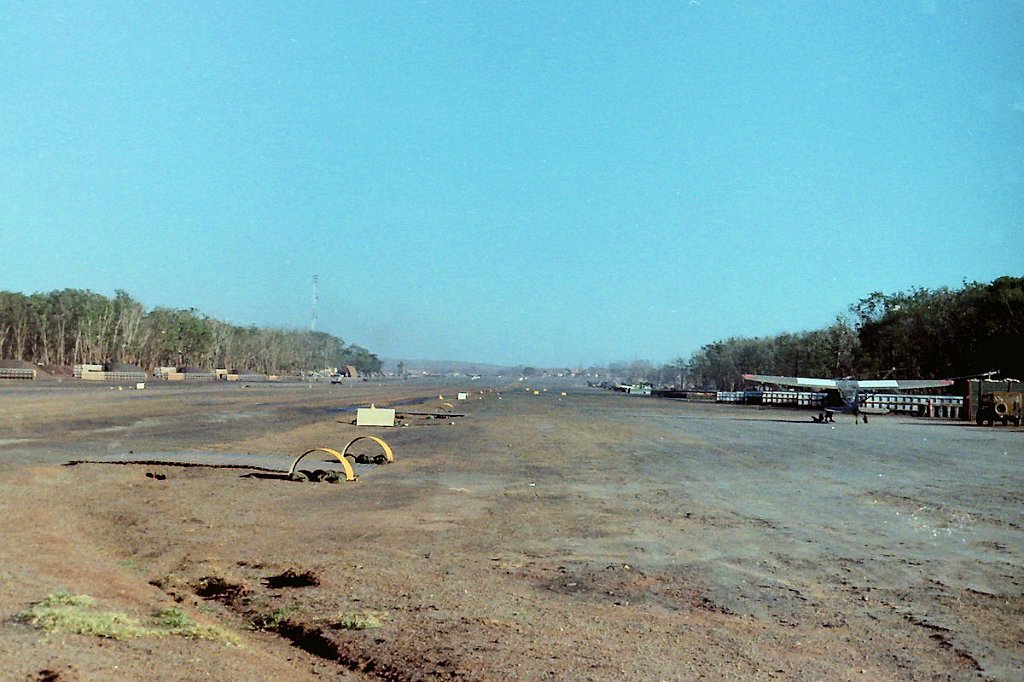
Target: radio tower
312	321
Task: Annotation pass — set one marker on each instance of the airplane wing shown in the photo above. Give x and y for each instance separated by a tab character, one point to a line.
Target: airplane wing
803	382
869	385
903	384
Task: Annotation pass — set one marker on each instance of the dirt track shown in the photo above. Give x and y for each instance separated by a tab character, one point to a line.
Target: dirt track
591	536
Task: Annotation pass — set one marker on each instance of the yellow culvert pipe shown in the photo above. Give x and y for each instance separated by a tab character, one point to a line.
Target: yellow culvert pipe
350	474
387	449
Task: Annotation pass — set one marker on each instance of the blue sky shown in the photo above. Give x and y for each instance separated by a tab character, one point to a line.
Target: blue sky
512	182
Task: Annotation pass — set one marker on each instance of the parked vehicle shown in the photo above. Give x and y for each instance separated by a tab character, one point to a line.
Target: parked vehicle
1005	406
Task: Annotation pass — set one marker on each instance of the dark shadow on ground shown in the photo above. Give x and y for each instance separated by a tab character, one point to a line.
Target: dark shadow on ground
807	421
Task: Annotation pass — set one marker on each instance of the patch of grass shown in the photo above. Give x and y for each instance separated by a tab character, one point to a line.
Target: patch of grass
174	618
63	612
174	621
65	599
359	620
270	621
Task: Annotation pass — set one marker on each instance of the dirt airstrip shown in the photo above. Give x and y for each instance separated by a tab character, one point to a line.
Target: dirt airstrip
590	536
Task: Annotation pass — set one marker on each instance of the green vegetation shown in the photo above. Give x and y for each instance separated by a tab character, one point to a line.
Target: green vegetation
359	620
63	612
175	619
923	333
270	621
177	622
72	326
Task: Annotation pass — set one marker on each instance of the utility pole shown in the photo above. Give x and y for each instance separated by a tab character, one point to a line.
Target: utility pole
312	321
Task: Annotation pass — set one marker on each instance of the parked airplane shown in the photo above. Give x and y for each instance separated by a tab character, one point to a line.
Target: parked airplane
843	395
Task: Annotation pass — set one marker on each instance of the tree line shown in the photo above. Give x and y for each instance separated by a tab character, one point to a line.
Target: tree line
921	333
72	326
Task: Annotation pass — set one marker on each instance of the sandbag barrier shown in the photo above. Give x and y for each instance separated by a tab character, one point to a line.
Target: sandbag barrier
343	457
350	474
389	456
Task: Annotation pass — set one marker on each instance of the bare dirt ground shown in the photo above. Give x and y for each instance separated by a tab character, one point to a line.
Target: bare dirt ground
587	536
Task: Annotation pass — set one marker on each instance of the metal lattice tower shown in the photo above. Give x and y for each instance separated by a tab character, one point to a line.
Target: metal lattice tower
312	321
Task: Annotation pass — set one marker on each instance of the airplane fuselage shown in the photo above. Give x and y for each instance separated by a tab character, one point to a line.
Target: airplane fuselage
843	395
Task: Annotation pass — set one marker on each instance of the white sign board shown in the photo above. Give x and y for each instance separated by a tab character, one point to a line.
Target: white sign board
375	416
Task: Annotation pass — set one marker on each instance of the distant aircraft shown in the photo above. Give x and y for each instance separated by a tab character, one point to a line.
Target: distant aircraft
843	395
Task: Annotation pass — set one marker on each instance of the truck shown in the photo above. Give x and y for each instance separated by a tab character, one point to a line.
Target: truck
1004	406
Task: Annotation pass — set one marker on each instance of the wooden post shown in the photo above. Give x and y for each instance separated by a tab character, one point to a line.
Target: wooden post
966	413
